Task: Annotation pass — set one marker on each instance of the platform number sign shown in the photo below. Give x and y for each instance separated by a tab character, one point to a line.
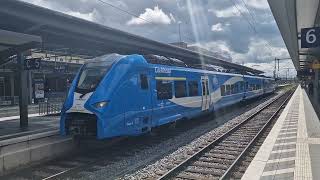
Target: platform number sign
310	37
33	63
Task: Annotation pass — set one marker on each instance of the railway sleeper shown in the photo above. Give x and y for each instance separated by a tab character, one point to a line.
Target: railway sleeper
232	144
241	138
194	176
206	171
228	148
247	134
215	160
229	152
238	144
210	165
220	156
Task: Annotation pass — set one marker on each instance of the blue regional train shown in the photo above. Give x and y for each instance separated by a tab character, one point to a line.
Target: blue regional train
116	95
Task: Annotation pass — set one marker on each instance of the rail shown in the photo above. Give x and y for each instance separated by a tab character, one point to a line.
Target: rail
227	174
179	168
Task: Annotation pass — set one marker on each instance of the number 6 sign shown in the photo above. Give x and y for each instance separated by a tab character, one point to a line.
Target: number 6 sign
310	37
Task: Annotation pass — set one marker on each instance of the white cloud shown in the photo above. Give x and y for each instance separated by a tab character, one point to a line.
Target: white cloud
258	56
259	4
154	16
217	27
88	16
219	48
228	12
260	51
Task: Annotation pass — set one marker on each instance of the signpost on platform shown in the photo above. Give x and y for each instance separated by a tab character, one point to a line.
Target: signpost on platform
310	37
32	63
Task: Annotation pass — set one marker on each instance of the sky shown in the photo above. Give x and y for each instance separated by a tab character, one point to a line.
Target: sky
243	30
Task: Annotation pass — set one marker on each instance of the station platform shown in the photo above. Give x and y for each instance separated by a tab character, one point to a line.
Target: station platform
292	148
39	142
11	111
11	128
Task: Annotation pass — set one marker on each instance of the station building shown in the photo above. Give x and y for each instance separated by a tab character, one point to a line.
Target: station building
50	81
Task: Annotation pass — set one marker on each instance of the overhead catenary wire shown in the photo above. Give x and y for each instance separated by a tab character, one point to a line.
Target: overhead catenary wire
253	15
134	15
251	24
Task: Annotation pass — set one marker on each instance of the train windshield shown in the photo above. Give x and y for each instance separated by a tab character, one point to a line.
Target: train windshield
93	72
91	75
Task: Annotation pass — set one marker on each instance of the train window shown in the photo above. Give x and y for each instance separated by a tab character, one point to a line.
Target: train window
144	81
236	88
228	90
164	89
180	89
223	90
193	88
232	88
247	86
241	85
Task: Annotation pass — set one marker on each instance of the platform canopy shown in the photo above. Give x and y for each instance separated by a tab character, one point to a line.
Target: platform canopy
68	34
12	42
291	16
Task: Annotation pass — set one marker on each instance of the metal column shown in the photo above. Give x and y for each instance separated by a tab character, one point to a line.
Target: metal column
30	89
23	92
316	86
12	85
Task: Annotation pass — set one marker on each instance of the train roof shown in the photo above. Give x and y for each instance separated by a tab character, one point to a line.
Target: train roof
162	60
176	64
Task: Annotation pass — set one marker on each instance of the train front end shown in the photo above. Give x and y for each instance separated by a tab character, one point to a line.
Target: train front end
83	110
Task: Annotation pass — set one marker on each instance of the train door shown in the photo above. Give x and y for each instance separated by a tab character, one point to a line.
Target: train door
205	93
138	103
145	84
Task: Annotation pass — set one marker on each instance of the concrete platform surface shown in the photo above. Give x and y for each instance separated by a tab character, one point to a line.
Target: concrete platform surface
11	128
39	142
292	149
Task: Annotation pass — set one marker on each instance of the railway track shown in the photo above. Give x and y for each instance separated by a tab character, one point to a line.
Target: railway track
93	159
219	158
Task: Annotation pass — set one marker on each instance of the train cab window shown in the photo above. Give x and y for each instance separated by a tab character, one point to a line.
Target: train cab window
223	90
193	88
180	89
164	89
144	81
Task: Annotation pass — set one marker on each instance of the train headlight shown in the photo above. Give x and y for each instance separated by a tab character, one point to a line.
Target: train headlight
100	104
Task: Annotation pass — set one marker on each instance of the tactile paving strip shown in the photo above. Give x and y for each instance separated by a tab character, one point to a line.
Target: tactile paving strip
281	161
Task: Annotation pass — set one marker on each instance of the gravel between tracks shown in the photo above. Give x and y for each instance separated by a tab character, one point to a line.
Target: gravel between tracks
151	171
144	162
